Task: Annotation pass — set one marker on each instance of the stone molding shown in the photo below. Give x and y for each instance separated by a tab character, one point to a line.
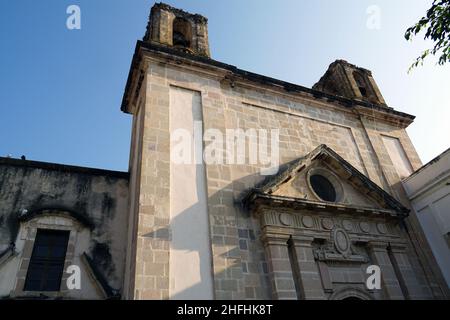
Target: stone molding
302	241
316	224
378	245
275	239
350	291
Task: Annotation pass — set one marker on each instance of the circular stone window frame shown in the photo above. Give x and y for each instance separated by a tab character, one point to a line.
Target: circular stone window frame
332	178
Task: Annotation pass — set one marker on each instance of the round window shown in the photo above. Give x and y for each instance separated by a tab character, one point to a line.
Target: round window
323	187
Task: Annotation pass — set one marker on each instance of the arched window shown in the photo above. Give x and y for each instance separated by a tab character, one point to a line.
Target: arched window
182	33
361	83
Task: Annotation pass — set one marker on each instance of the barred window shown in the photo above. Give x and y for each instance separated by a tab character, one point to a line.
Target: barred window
47	260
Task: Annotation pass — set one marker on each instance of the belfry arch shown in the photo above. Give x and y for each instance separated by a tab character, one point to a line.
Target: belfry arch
182	33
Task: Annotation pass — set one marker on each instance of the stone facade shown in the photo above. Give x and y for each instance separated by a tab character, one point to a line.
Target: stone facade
243	255
225	230
332	244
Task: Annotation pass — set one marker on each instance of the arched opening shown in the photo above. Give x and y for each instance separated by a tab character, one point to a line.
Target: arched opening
351	293
81	218
361	83
352	298
182	33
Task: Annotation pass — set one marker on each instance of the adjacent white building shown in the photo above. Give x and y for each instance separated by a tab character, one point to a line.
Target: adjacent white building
429	191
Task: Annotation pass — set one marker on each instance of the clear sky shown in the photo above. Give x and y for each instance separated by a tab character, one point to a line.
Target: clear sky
61	89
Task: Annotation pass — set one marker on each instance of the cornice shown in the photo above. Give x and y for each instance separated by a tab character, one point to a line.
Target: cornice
235	76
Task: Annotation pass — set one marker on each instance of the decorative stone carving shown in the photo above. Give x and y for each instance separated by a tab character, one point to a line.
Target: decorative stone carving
308	221
285	219
340	250
348	225
381	227
327	223
341	241
329	253
270	218
330	256
365	227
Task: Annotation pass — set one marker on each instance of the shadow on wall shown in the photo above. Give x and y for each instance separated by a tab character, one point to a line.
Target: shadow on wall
233	241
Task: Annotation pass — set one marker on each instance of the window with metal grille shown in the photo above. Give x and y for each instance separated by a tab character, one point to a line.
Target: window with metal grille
47	261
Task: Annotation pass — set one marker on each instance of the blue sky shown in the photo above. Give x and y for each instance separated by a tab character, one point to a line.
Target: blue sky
61	89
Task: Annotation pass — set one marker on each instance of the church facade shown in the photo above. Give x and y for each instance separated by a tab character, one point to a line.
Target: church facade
306	222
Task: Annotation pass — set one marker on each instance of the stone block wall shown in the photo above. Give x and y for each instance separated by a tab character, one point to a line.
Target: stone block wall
239	256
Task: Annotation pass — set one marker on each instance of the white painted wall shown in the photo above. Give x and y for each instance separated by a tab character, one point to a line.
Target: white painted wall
429	193
190	261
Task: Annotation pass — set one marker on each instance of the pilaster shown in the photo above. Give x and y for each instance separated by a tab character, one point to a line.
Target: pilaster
309	276
280	270
389	282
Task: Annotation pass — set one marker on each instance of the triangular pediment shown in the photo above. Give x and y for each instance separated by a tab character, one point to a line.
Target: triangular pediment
324	177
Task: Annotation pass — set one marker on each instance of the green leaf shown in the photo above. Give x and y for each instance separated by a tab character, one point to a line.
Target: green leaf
437	26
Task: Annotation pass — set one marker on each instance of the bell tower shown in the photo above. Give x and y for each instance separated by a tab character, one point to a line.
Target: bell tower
169	252
349	81
178	29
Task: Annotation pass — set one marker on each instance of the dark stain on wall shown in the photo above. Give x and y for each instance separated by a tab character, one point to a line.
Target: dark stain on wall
102	258
108	204
12	224
90	196
83	185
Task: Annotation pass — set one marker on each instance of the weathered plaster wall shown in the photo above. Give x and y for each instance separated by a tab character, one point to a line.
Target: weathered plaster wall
97	196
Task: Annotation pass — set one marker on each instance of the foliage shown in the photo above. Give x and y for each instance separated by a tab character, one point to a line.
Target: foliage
437	26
